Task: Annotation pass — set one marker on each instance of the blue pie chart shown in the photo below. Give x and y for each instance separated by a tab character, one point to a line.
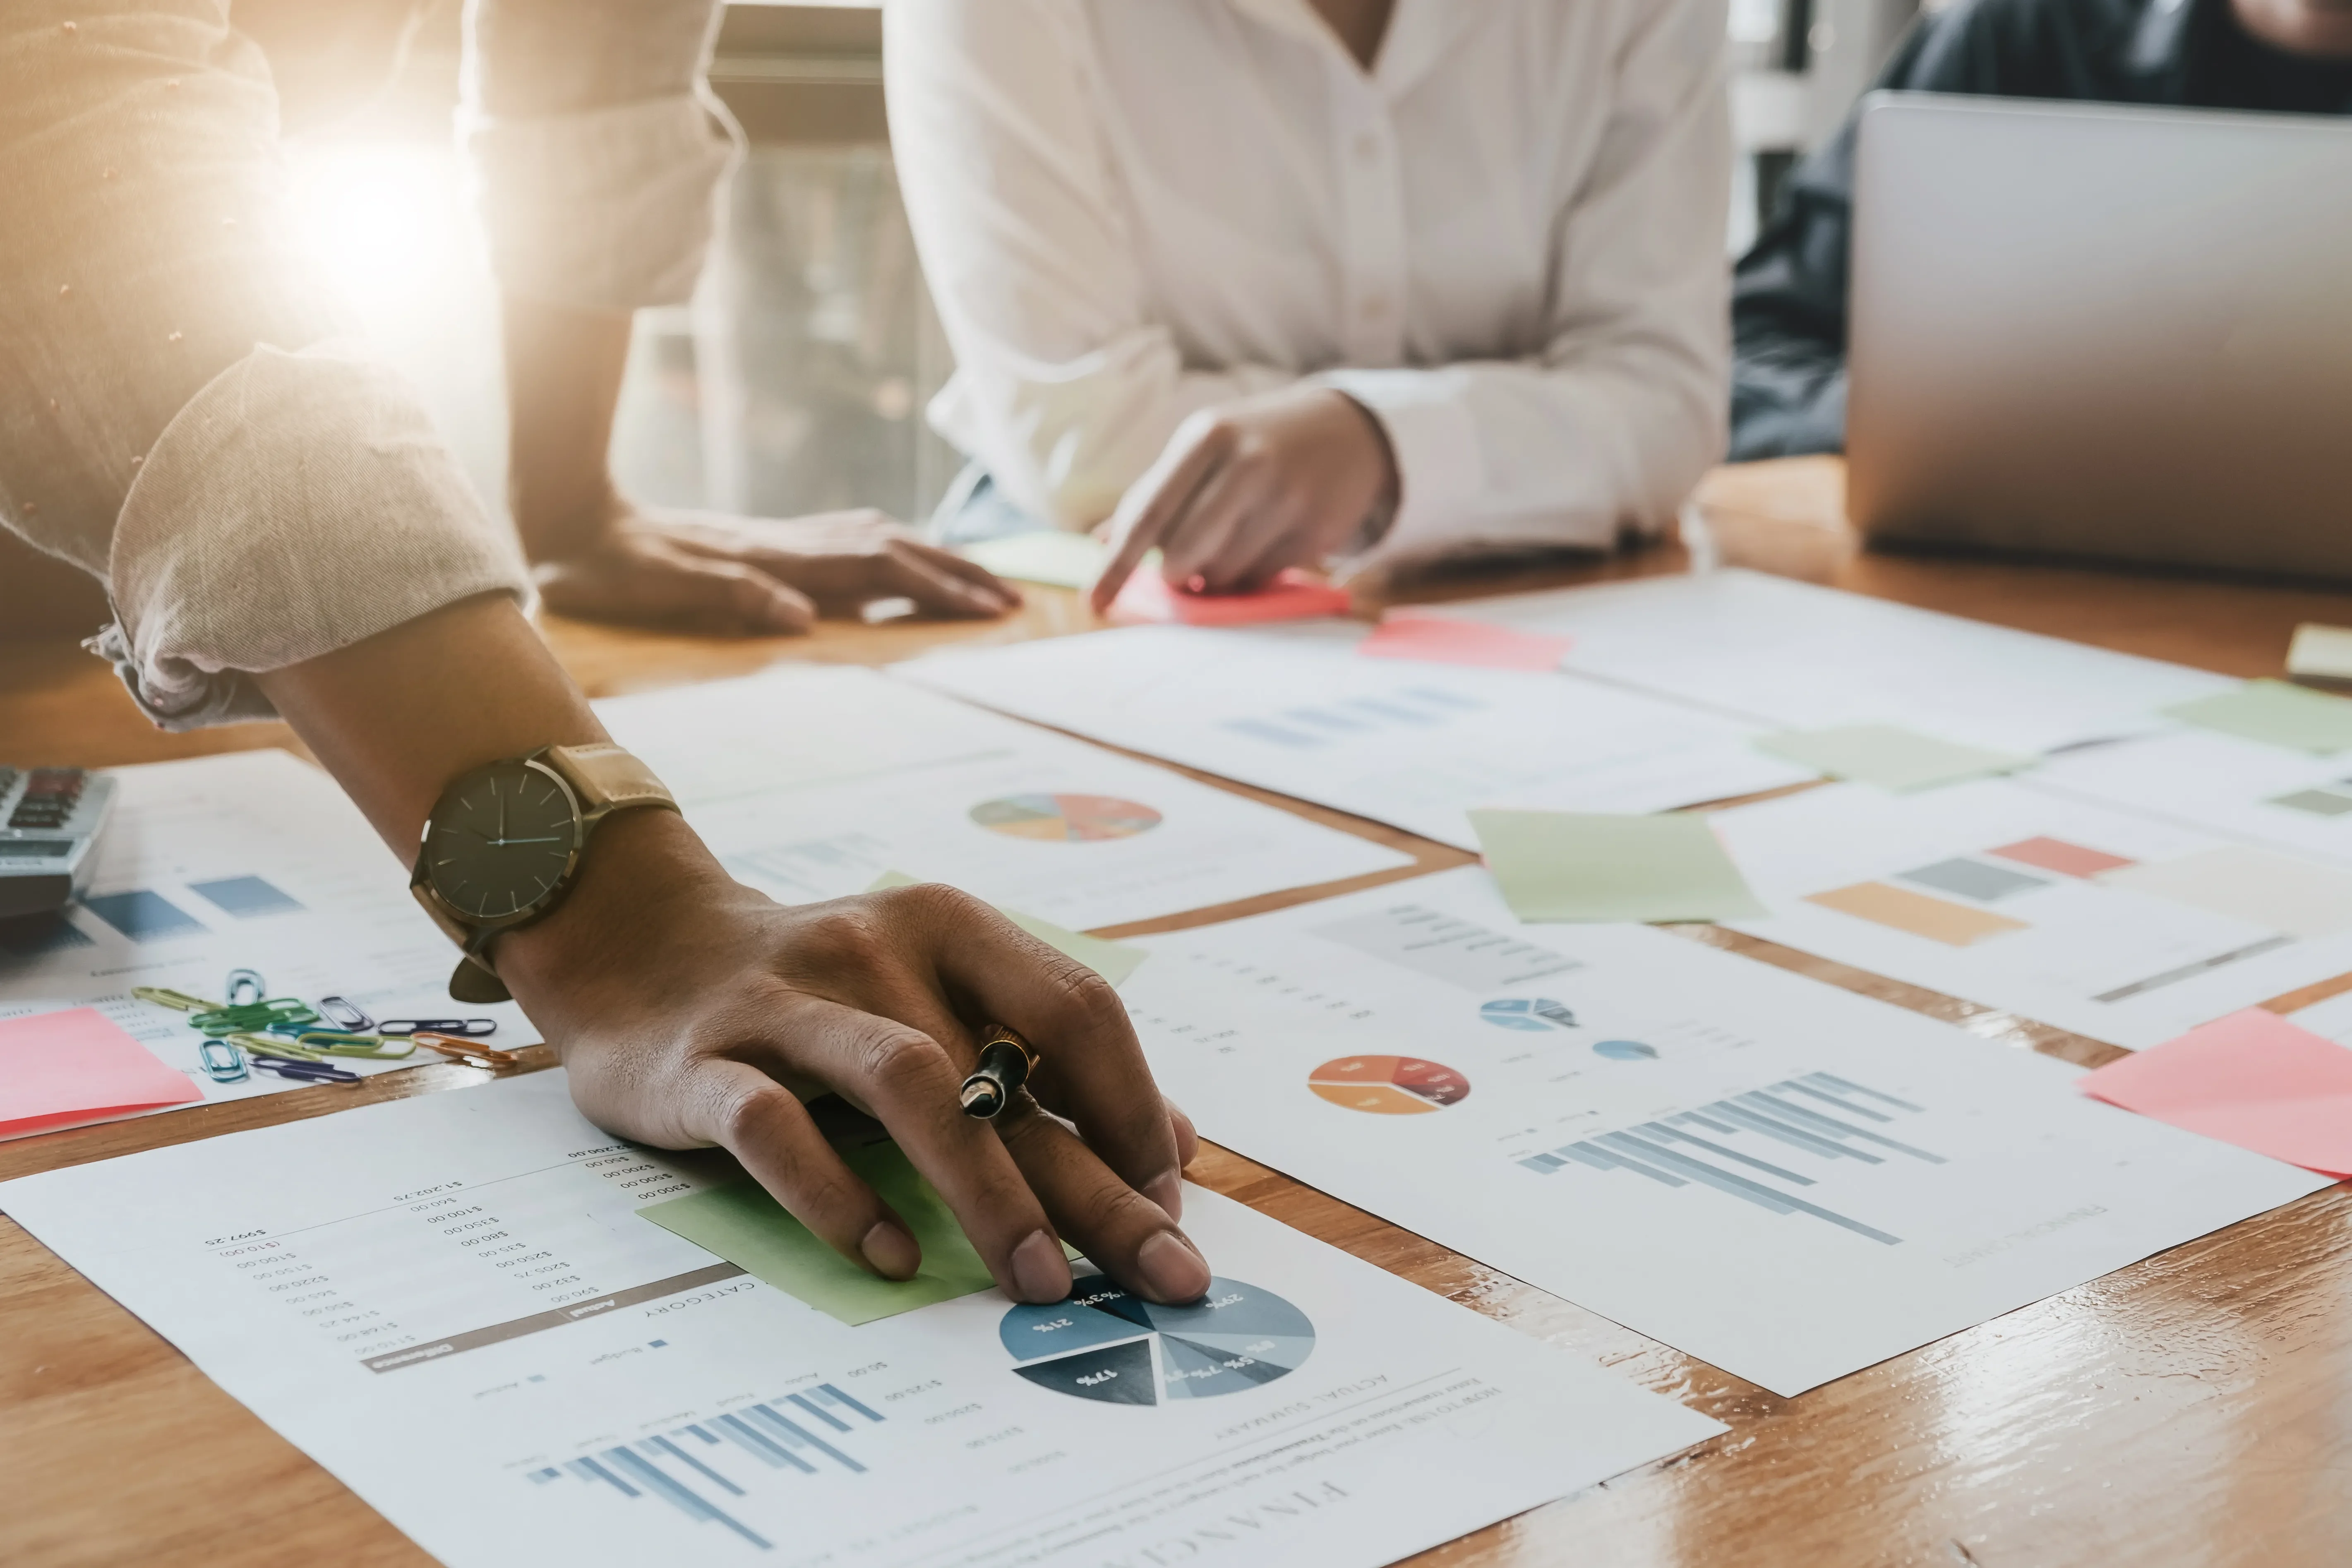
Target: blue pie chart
1101	1344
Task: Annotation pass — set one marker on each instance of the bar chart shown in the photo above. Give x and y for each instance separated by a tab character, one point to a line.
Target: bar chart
775	1442
1718	1146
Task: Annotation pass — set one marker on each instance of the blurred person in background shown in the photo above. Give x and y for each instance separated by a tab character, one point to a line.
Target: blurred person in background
1285	282
1788	309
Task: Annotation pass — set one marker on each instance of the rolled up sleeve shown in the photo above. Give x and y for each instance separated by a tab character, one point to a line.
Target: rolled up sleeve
179	413
600	151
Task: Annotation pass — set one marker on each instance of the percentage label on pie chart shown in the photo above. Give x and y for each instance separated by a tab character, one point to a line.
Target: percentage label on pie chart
1389	1086
1065	818
1104	1344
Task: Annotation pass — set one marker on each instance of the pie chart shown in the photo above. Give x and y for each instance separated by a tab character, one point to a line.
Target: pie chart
1389	1086
1065	818
1102	1344
1536	1014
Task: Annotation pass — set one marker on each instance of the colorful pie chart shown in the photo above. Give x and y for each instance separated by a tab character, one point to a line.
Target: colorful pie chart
1389	1086
1536	1014
1065	818
1101	1344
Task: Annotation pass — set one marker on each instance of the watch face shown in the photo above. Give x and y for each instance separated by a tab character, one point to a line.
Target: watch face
500	840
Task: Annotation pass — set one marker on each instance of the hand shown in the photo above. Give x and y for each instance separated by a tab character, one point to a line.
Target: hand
758	576
1243	491
689	1009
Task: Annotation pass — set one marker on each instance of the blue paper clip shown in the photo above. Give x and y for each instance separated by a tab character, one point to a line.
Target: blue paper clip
222	1064
303	1071
245	987
471	1027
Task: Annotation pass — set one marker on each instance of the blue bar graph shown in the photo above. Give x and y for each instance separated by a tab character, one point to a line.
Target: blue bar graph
1784	1125
687	1465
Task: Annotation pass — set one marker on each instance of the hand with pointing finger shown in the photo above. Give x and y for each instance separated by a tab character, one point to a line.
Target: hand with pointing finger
1244	489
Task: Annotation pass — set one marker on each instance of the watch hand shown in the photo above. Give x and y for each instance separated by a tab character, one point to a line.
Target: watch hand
502	841
502	809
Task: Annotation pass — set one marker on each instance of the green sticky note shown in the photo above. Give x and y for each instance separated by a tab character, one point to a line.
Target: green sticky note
2276	714
743	1225
1890	756
1583	865
1112	961
1050	556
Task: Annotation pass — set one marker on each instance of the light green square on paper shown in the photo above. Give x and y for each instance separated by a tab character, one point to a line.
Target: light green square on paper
2275	713
1890	756
1584	866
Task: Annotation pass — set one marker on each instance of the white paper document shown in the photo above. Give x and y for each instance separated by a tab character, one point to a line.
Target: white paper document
810	782
1803	657
1785	1179
251	860
1417	745
465	1322
2109	922
2270	794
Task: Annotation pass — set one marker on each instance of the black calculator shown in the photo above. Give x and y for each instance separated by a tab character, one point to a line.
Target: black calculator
50	822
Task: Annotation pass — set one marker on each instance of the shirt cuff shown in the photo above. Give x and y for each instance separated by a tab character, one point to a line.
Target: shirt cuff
299	503
608	209
1441	472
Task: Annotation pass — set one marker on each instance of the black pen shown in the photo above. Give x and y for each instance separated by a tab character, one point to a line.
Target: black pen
1006	1062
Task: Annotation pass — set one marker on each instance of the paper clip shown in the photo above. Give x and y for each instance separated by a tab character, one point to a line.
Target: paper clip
303	1071
457	1027
343	1014
245	987
222	1064
271	1045
258	1015
466	1050
178	1001
340	1043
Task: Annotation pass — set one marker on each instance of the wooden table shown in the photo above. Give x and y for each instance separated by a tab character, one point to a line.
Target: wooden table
2193	1409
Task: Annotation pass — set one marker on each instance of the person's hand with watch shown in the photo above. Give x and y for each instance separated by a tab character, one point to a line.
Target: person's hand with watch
691	1011
600	556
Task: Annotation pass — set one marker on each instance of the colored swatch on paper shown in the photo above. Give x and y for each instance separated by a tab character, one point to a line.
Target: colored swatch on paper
1890	756
63	1070
2275	713
1111	960
1937	920
2253	1079
1389	1086
2321	657
247	898
743	1225
1439	639
143	916
1051	556
2274	892
1145	599
1587	866
1974	880
2057	854
2315	802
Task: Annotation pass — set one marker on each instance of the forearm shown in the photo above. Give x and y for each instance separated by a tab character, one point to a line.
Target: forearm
564	368
398	716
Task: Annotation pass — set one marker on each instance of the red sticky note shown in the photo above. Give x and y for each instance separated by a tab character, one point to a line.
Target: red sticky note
1437	640
1147	599
2252	1079
62	1069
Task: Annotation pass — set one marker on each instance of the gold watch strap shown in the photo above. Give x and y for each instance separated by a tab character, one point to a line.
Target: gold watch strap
607	778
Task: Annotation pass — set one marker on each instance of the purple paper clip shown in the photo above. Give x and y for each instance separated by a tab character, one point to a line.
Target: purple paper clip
400	1028
300	1071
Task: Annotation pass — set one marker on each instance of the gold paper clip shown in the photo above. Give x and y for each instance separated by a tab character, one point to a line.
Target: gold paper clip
464	1049
178	1001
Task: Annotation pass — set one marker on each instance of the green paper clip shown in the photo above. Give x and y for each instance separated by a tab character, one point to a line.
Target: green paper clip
178	1001
259	1015
275	1046
340	1043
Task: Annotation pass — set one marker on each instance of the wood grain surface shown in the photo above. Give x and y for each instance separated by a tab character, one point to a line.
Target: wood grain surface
2193	1409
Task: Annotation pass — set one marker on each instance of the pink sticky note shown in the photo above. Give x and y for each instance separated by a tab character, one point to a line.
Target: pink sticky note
1147	599
1438	640
61	1069
2252	1079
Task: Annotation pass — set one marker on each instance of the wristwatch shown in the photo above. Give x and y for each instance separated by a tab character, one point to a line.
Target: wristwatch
504	841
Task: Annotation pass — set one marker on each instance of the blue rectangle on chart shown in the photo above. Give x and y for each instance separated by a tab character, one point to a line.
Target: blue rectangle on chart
143	916
246	897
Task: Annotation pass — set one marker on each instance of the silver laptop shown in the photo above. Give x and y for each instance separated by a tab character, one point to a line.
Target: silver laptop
2104	332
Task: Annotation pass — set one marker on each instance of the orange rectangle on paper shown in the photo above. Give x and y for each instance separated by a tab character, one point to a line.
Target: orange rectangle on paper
1954	925
2057	854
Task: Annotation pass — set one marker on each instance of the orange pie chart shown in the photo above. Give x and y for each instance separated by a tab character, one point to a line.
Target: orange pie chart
1389	1086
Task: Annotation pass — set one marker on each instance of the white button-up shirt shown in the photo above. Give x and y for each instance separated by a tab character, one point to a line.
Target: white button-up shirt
1507	240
